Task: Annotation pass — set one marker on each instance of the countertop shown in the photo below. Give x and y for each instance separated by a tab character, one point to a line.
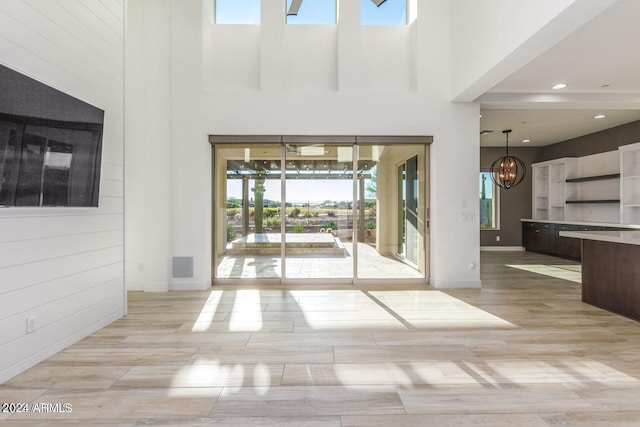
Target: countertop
629	237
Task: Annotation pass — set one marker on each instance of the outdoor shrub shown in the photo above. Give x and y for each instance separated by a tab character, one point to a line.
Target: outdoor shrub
231	232
270	212
293	213
272	222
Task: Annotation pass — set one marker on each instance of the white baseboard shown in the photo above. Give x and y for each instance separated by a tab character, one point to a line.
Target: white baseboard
456	284
190	286
501	248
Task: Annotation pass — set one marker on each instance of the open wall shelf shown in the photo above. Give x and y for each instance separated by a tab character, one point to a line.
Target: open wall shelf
577	202
594	178
630	184
589	188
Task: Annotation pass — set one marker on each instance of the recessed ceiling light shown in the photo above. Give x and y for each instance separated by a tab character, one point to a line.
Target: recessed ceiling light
599	116
559	86
526	140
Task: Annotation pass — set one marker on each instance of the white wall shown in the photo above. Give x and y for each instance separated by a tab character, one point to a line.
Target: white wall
409	97
64	266
148	83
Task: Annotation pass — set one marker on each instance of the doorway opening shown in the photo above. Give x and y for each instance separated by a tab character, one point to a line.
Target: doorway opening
293	209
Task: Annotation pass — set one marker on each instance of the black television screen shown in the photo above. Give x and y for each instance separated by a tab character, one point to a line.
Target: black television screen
50	145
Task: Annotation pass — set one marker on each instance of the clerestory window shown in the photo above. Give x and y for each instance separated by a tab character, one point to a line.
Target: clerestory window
385	12
237	12
311	12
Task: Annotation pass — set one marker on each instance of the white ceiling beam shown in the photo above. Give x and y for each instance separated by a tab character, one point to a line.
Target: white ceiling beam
616	101
566	22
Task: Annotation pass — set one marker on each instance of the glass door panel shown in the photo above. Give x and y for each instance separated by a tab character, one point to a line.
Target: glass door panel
411	210
319	211
390	200
248	199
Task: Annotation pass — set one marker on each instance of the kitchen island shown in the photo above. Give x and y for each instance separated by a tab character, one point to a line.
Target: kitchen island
611	270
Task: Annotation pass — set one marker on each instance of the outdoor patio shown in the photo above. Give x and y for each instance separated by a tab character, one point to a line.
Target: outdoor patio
371	265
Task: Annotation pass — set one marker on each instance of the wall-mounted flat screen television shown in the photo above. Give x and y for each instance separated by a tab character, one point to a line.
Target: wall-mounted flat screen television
50	145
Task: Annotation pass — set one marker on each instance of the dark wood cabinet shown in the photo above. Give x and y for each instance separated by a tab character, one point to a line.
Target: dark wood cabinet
610	274
530	236
568	246
548	238
544	237
539	237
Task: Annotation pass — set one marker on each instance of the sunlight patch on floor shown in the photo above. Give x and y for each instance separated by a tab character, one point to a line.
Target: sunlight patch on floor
247	311
565	272
411	309
205	318
437	309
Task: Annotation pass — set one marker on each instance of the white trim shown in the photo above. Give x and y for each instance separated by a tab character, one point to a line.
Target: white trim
457	284
190	286
501	248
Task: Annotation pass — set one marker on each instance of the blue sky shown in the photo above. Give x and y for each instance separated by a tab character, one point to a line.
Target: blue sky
391	12
314	12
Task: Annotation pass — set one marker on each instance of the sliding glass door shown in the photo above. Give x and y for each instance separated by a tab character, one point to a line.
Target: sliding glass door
319	203
391	210
328	210
248	203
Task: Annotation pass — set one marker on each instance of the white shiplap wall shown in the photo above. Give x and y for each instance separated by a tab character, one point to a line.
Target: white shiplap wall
64	266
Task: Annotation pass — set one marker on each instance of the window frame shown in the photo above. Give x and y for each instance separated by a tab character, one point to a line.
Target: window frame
407	19
286	19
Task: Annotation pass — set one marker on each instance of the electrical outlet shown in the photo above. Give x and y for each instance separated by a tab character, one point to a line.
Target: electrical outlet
497	238
31	324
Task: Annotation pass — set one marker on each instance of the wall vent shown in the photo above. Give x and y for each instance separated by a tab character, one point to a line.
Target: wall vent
183	266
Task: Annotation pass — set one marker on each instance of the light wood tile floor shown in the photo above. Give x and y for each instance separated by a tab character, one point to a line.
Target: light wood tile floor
522	351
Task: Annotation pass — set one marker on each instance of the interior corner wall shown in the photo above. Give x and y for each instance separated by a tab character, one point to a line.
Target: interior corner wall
515	203
197	110
148	86
63	267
